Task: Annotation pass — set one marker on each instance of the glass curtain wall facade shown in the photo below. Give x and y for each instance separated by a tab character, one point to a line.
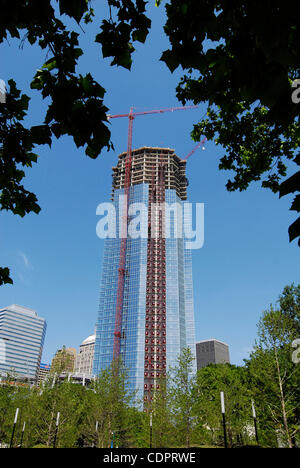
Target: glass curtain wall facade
134	300
179	311
22	335
179	298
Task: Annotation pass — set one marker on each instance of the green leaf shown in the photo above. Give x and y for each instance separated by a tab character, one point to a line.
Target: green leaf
140	35
212	64
56	129
4	276
50	64
296	204
91	152
41	134
37	82
292	184
73	8
297	159
184	8
78	52
86	83
294	230
170	60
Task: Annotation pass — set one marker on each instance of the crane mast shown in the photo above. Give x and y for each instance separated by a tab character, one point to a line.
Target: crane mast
201	143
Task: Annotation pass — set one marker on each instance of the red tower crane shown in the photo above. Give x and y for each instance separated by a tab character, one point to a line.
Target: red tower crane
122	260
201	143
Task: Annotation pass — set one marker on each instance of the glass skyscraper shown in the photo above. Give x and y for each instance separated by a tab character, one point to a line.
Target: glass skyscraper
22	335
157	311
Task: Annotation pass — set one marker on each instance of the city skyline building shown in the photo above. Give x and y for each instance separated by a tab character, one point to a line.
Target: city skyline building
85	357
211	351
22	335
43	373
64	360
157	319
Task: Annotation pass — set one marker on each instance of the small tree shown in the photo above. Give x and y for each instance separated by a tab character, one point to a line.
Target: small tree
111	406
181	391
7	408
232	380
274	373
67	398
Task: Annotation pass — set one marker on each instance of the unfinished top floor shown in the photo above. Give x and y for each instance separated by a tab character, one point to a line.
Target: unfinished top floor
145	164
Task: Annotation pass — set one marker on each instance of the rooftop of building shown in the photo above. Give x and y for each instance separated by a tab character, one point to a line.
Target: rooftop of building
20	310
212	339
89	340
66	350
153	149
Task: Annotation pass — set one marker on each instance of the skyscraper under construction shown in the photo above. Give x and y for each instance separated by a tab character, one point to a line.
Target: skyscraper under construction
146	312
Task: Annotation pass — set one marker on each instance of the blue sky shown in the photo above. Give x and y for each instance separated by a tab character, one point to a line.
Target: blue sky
55	257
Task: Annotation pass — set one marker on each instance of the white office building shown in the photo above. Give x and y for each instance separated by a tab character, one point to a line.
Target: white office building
22	335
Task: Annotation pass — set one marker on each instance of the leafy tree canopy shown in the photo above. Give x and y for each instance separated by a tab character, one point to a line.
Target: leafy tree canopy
289	302
76	105
242	58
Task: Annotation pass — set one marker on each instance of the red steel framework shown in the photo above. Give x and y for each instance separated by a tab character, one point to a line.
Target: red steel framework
155	320
156	250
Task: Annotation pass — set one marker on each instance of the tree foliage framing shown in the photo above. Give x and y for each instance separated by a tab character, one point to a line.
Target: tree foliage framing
242	57
76	105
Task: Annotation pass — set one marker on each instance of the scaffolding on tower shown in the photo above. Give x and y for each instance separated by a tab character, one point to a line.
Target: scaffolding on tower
155	327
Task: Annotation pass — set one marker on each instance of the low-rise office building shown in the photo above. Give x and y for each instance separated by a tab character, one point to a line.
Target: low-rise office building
211	352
